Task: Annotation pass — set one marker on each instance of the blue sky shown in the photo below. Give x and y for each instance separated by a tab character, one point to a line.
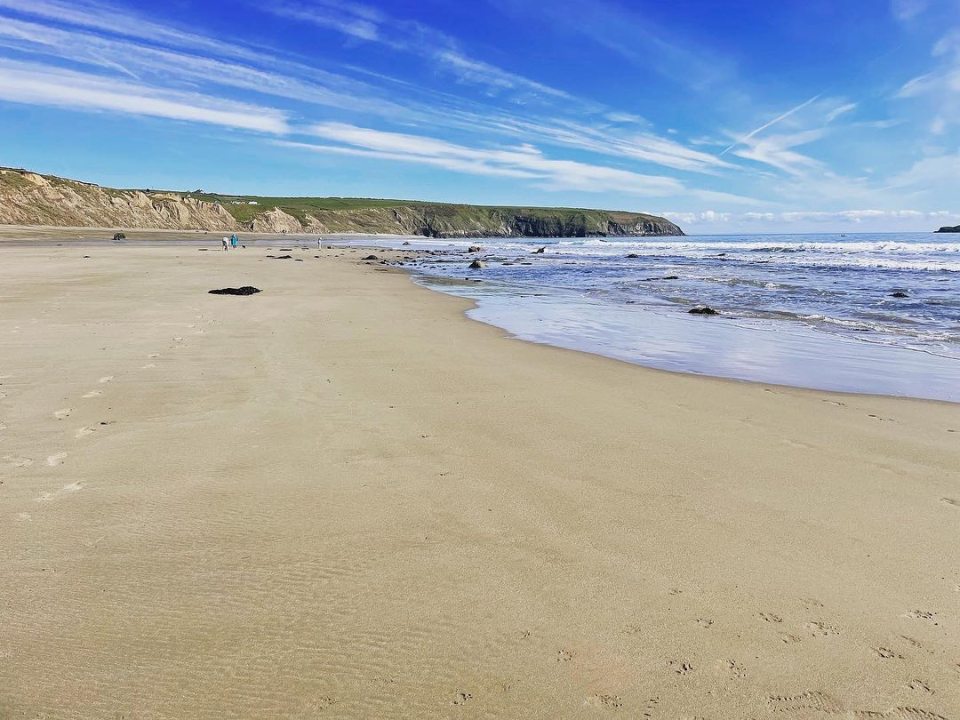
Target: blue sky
724	115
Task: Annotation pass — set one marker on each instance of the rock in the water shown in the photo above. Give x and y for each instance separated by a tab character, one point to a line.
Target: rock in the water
703	310
899	294
245	290
477	265
474	248
540	250
632	256
371	257
406	242
671	277
948	229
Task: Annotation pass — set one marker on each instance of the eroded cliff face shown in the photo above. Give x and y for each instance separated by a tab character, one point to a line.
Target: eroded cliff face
30	199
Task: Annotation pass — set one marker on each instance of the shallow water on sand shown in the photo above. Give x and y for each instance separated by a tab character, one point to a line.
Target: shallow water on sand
861	313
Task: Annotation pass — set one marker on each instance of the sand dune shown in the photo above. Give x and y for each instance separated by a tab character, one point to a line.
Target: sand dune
340	498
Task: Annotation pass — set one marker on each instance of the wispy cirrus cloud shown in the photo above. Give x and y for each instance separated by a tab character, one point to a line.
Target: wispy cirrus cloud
178	68
525	161
32	84
906	10
362	23
745	139
634	36
939	88
113	21
146	63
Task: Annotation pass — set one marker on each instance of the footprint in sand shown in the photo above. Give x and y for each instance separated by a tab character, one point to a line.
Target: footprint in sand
899	713
105	379
950	501
888	654
61	414
462	698
24	517
83	432
680	667
153	356
148	366
821	629
734	668
922	615
92	394
607	702
809	700
770	617
17	461
920	686
65	490
57	459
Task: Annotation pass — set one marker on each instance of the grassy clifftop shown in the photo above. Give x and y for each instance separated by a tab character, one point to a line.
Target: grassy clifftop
32	199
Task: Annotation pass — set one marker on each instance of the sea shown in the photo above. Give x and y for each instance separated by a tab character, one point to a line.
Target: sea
860	313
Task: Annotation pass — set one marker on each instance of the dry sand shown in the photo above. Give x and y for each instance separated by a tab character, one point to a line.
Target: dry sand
340	498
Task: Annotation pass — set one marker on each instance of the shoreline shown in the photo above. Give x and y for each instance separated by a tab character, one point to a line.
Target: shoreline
53	238
343	496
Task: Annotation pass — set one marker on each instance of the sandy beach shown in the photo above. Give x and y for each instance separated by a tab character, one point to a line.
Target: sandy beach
342	498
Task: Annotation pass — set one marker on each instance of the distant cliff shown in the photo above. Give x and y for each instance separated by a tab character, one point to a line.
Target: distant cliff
947	229
31	199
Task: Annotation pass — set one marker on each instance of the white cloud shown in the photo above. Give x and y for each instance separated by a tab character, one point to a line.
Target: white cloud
905	10
523	161
40	85
777	151
481	73
109	19
141	61
779	118
841	110
362	23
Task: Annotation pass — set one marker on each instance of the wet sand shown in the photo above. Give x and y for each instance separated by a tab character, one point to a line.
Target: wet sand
341	498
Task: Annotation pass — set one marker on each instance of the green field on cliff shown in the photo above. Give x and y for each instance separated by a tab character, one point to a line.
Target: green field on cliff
240	207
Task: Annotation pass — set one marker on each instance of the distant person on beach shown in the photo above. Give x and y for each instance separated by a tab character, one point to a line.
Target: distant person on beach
224	242
319	243
234	241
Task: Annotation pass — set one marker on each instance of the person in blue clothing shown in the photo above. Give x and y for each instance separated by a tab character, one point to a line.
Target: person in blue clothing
234	241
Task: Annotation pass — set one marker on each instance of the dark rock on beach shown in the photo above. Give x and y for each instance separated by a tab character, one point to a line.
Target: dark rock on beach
371	257
703	310
245	290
